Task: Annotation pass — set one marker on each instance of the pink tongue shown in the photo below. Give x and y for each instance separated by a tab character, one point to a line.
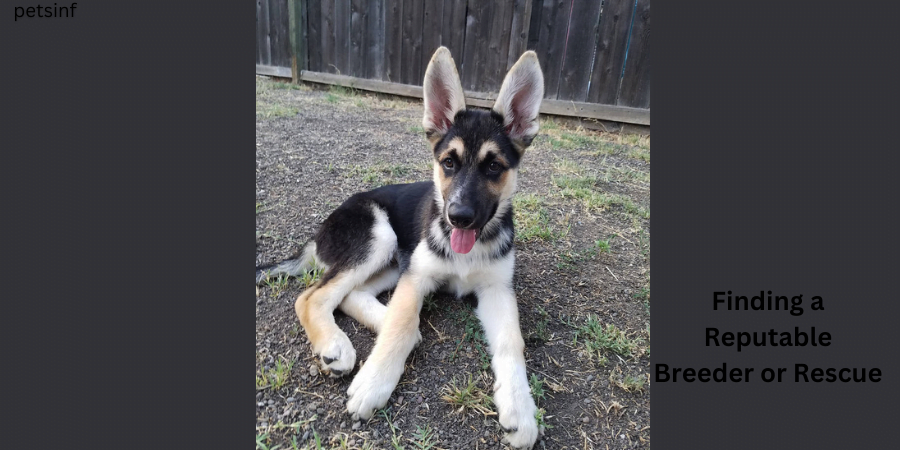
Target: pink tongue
462	241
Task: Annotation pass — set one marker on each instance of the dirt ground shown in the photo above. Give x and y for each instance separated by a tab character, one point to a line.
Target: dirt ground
582	280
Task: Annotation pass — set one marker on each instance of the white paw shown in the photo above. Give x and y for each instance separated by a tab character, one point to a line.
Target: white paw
338	355
515	410
369	391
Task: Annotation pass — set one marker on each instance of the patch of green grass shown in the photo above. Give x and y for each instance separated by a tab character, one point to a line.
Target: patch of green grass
571	258
467	395
638	153
628	383
540	333
337	93
382	173
262	442
277	285
537	388
424	438
598	338
532	221
259	206
395	438
584	188
568	166
290	86
559	138
308	278
541	416
429	304
272	110
603	246
275	377
417	129
472	334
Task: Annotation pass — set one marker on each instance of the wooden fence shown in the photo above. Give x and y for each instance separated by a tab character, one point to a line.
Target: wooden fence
595	54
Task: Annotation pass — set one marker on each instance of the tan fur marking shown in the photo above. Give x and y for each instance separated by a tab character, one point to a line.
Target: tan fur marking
441	181
490	146
317	322
457	146
402	318
505	186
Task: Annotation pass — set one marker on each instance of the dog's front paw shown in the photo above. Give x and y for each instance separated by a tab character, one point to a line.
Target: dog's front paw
370	390
516	410
338	355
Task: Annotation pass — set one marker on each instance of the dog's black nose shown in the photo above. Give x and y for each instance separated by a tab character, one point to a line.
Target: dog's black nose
461	216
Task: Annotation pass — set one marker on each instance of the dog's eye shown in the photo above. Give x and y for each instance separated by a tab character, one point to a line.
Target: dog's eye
495	167
447	163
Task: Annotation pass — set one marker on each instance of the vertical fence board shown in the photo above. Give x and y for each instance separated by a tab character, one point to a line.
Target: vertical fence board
518	39
262	32
472	63
328	62
614	25
279	22
453	28
497	50
575	73
314	35
411	72
534	29
297	31
432	17
393	42
552	44
341	35
635	89
356	59
374	64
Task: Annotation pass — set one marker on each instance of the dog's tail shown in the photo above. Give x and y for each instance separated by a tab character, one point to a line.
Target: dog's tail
302	262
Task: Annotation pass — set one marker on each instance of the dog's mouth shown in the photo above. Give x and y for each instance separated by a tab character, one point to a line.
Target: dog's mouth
462	240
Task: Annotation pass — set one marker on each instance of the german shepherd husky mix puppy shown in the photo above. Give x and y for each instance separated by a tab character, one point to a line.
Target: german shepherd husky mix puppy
455	232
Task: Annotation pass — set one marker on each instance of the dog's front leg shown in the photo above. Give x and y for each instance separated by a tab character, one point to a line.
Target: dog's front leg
372	386
499	316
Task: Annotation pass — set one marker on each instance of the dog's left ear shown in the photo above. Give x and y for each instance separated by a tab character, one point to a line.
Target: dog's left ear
520	100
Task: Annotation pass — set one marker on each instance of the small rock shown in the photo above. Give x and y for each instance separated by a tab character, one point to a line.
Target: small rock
400	400
590	377
320	411
312	406
487	433
291	399
356	425
586	420
587	400
259	395
261	404
351	442
343	424
621	436
265	424
259	302
271	402
375	434
305	435
313	370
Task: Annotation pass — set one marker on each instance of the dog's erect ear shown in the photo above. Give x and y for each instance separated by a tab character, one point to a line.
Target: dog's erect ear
520	99
443	94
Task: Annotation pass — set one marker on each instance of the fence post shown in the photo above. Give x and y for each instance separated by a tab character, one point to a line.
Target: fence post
297	20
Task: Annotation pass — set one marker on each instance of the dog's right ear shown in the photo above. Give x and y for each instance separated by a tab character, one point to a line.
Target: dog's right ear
443	95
